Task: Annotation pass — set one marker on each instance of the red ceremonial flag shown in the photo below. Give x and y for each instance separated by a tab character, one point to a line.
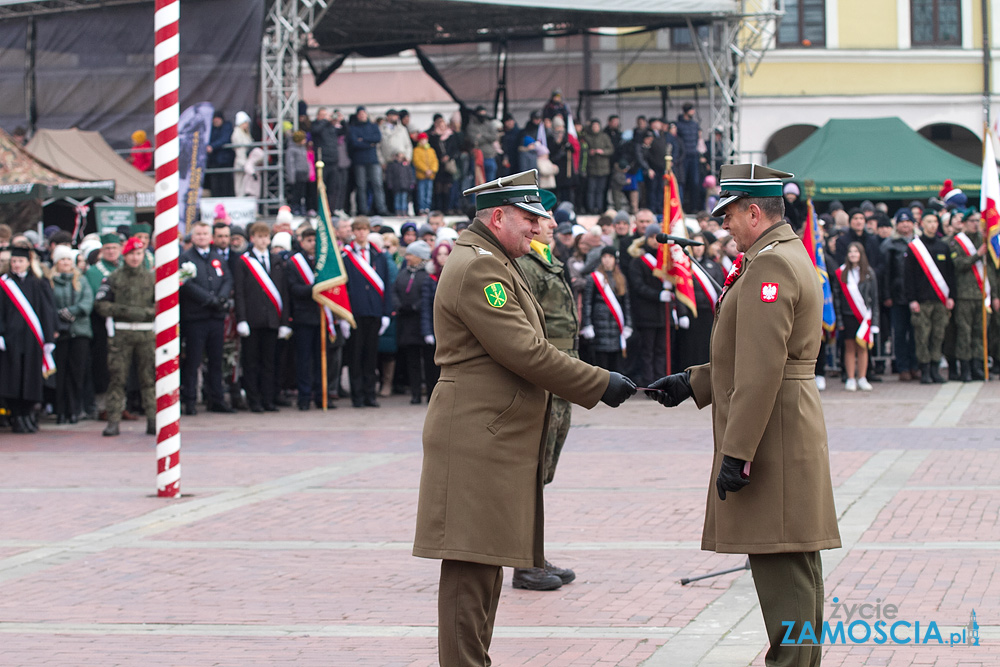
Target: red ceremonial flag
989	199
672	263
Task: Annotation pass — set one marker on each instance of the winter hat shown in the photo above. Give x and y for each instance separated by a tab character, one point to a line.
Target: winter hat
139	137
610	250
579	230
558	122
653	229
284	215
32	237
424	230
421	136
132	244
409	224
561	215
242	117
447	234
62	252
221	215
790	189
622	216
564	228
282	240
711	182
953	197
903	214
419	249
50	230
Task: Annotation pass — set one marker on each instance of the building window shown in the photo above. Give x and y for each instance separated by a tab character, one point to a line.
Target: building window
936	22
804	24
680	38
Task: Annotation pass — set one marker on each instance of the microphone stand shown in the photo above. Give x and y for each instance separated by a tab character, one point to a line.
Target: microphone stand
688	580
715	284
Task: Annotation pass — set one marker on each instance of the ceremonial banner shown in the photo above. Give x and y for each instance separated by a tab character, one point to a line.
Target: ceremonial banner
677	267
813	241
329	288
193	128
989	199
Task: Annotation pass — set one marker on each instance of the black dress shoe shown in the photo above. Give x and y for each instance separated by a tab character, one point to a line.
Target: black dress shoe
73	419
303	406
17	425
565	574
270	408
282	401
415	400
371	403
111	429
190	410
31	421
256	408
61	419
223	408
535	579
357	404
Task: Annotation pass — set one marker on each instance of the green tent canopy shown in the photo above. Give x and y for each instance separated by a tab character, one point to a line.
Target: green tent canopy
876	158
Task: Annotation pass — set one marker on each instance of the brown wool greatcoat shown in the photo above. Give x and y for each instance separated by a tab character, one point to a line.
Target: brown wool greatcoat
766	408
484	434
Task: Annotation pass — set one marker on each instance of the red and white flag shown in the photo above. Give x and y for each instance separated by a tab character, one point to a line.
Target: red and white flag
989	200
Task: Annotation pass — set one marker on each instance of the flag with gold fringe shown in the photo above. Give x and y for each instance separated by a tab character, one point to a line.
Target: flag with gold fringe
672	263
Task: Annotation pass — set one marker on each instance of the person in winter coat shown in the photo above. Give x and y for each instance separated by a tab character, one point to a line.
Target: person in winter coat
599	153
409	288
427	293
297	172
241	141
399	179
607	314
395	139
857	232
694	334
25	361
893	294
857	306
220	185
425	167
363	138
74	301
141	156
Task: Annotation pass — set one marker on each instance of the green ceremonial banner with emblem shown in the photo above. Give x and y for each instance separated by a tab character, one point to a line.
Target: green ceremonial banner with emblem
496	296
329	288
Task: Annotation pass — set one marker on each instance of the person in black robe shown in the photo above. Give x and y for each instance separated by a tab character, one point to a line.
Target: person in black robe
21	378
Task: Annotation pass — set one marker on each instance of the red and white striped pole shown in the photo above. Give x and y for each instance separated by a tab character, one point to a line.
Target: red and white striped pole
166	52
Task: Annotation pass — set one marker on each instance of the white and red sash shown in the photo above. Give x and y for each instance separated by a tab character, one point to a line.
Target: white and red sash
706	283
366	269
611	301
309	278
649	260
930	269
28	313
264	280
978	269
857	303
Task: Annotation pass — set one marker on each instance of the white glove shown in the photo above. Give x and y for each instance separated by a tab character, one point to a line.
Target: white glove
243	329
875	330
684	322
345	329
429	339
385	325
3	344
109	325
666	296
587	332
284	333
49	347
627	332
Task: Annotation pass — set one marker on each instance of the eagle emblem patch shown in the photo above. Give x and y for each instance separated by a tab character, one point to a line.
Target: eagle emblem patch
769	292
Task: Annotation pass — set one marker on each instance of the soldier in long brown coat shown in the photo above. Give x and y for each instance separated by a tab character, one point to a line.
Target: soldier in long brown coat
767	420
480	505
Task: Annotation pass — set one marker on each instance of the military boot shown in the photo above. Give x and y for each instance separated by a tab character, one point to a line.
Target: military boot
935	371
535	579
111	429
964	370
925	374
151	426
977	370
565	574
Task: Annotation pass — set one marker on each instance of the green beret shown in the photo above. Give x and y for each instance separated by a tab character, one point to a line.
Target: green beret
110	237
140	228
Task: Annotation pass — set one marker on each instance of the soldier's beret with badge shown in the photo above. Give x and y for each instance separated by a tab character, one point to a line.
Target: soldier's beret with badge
520	190
739	181
132	244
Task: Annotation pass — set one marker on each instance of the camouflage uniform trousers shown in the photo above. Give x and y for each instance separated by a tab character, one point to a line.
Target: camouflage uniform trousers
968	318
928	330
126	349
559	420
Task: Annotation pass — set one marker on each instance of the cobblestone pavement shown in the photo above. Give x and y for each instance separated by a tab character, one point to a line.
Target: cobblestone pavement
291	544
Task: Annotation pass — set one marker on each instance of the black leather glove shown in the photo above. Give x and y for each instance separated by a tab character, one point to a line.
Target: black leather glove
619	389
730	477
672	390
222	304
65	315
